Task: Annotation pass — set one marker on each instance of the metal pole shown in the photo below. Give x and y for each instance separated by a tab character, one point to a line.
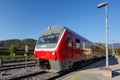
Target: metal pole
107	61
26	50
26	60
106	20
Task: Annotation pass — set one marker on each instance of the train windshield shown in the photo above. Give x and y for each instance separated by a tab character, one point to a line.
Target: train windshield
48	39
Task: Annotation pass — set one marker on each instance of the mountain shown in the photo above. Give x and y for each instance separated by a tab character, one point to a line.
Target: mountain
115	45
20	44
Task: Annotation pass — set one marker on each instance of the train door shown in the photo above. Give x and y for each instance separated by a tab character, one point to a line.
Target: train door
69	48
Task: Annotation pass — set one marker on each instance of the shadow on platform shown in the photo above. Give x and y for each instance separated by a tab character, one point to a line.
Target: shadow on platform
102	63
113	61
116	73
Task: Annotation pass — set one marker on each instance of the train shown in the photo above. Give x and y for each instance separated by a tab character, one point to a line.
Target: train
59	48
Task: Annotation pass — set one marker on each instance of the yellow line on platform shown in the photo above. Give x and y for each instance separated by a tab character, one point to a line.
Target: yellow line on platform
79	74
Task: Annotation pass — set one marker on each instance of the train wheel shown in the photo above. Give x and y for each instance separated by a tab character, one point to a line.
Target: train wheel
44	67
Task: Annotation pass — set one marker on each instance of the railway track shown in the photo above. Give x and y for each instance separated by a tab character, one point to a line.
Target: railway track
53	76
34	73
42	75
28	75
8	65
10	70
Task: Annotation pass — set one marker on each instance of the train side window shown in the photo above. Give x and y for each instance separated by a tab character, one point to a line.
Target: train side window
83	44
69	42
87	45
77	42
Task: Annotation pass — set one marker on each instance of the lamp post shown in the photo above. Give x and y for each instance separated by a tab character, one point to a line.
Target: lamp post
26	50
106	18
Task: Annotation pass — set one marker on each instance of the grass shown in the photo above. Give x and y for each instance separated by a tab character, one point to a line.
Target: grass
8	57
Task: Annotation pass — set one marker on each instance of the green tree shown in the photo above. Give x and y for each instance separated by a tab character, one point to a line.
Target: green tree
118	51
102	46
12	50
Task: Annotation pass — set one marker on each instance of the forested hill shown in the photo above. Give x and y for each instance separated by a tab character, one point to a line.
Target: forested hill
115	45
19	44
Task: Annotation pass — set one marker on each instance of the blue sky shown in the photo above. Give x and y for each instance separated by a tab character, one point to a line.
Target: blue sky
21	19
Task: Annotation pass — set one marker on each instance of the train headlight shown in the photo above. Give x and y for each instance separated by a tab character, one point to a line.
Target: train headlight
53	53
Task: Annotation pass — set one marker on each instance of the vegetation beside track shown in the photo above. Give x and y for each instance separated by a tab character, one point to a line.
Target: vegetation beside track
16	57
15	48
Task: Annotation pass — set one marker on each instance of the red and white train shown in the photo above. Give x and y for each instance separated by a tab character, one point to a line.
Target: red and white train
59	48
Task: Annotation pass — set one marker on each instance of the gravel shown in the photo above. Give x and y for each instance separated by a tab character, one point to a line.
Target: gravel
10	74
45	76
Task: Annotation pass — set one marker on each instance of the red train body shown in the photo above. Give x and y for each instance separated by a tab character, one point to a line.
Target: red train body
59	48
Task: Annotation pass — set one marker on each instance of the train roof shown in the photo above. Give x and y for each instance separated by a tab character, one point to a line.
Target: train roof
53	29
60	29
83	38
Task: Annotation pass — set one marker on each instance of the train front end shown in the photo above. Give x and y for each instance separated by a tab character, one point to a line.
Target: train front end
46	49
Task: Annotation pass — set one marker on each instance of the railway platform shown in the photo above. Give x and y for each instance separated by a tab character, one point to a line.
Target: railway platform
93	71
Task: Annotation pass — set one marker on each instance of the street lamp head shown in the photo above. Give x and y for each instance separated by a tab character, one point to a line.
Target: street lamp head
102	4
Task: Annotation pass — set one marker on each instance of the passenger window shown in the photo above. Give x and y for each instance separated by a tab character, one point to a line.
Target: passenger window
69	42
83	44
77	43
